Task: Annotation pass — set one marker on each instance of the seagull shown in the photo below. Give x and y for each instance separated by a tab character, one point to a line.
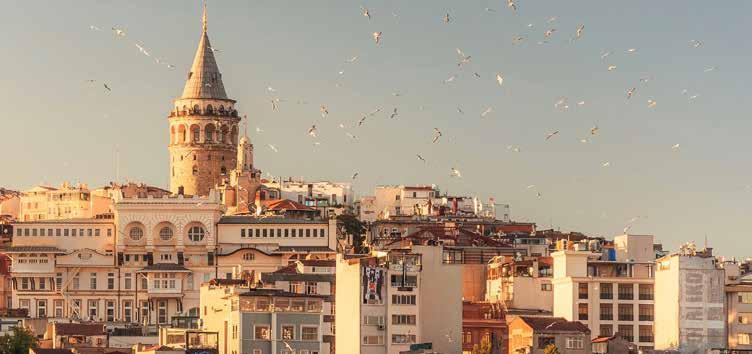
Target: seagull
632	50
562	102
605	54
459	110
584	140
271	89
675	147
606	164
365	12
512	5
352	60
107	87
691	98
118	32
214	50
630	92
312	131
259	130
486	112
289	348
695	43
580	28
530	186
513	148
420	158
394	114
272	147
436	135
170	66
611	67
94	28
549	32
551	19
517	39
551	134
324	111
450	79
645	79
499	79
353	137
488	9
377	37
447	19
354	176
652	103
581	103
362	120
594	130
712	68
476	75
274	104
342	125
464	59
538	195
455	173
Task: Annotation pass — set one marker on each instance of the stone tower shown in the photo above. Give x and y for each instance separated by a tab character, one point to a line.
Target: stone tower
203	127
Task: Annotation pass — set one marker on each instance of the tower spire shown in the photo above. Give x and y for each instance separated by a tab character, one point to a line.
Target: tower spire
203	18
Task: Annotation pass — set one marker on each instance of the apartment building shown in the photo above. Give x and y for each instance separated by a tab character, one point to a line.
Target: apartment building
405	297
484	324
739	313
689	301
311	193
261	320
528	334
68	201
310	277
522	285
610	291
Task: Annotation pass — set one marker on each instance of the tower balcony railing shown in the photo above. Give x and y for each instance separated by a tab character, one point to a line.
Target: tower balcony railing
213	113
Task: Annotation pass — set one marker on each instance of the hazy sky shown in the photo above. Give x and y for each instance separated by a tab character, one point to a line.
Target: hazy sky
58	127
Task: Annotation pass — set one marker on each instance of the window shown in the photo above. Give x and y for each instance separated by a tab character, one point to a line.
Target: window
234	331
24	303
93	307
626	292
189	281
196	233
582	312
144	282
626	312
42	283
76	283
66	232
574	343
309	333
165	256
744	338
607	330
88	232
373	320
110	281
127	311
607	291
128	281
93	281
403	299
582	290
261	332
646	292
646	333
110	311
373	340
97	232
242	232
544	341
24	283
165	233
745	317
42	308
626	332
403	319
161	311
287	232
646	312
745	298
607	312
136	233
311	288
58	304
403	338
145	311
294	233
296	287
58	232
288	332
322	232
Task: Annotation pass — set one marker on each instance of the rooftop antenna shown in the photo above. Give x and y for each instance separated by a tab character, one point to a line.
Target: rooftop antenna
203	18
245	125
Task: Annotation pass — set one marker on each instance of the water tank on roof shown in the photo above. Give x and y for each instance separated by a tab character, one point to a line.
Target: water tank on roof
611	254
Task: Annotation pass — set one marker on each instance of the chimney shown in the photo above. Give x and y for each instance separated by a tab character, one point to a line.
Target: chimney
181	191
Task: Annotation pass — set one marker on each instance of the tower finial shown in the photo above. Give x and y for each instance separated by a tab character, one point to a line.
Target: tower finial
203	18
245	125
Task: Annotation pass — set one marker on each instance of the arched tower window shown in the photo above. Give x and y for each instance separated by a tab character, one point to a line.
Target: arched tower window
223	170
195	170
209	133
221	109
172	134
181	134
234	135
195	134
196	109
209	109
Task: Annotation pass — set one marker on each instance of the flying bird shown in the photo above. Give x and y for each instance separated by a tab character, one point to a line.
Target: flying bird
377	37
455	173
355	175
594	130
712	68
513	148
551	134
107	87
272	147
630	92
605	54
606	164
652	103
271	89
611	67
447	19
464	59
580	29
675	147
500	79
259	130
394	114
512	5
274	104
632	50
94	28
324	111
118	32
549	32
450	79
365	12
486	112
420	158
695	43
352	60
312	131
436	135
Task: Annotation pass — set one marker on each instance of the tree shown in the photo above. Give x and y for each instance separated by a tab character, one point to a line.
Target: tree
483	348
18	342
551	349
356	229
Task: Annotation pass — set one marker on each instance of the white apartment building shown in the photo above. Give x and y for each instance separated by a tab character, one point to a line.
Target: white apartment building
68	201
689	302
404	297
522	285
739	313
397	200
335	193
610	292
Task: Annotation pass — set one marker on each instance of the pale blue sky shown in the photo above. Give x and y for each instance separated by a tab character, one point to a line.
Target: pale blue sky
56	127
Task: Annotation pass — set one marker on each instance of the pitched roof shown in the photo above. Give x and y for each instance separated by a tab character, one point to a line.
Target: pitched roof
544	324
289	269
319	262
80	329
204	79
304	249
285	204
50	351
248	219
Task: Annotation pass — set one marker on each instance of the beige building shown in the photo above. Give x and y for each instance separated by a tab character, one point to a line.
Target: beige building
610	292
521	285
403	297
68	201
739	313
689	302
532	335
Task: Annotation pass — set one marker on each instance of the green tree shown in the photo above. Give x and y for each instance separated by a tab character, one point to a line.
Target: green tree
356	229
551	349
483	348
18	342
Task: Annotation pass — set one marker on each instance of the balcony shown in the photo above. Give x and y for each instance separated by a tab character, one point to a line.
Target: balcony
626	296
626	317
646	296
645	339
607	296
607	317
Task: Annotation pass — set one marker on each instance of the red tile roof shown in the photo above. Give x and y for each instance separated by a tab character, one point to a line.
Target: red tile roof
80	329
319	262
544	324
285	204
289	269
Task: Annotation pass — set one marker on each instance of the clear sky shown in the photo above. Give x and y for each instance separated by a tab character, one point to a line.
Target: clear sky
56	127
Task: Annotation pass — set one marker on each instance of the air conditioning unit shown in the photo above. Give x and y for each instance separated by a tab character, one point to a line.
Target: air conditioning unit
381	327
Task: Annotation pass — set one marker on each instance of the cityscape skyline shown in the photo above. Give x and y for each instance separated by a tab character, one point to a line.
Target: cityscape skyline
668	190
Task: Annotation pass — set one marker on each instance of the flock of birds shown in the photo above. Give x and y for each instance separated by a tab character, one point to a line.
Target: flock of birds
463	60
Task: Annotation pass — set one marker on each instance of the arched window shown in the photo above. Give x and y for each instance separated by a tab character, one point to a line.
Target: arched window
196	233
195	134
248	256
196	109
195	170
209	109
185	109
165	233
136	233
221	109
223	170
209	133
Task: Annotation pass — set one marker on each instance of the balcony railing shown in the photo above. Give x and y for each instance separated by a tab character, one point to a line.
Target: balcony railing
607	317
646	339
648	296
623	317
646	318
626	296
607	296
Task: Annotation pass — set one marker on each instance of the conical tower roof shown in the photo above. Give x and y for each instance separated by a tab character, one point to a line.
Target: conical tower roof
204	79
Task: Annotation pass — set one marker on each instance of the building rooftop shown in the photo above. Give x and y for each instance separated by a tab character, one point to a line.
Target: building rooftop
164	267
204	79
80	329
285	205
247	220
94	220
277	292
28	249
304	249
558	324
319	262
